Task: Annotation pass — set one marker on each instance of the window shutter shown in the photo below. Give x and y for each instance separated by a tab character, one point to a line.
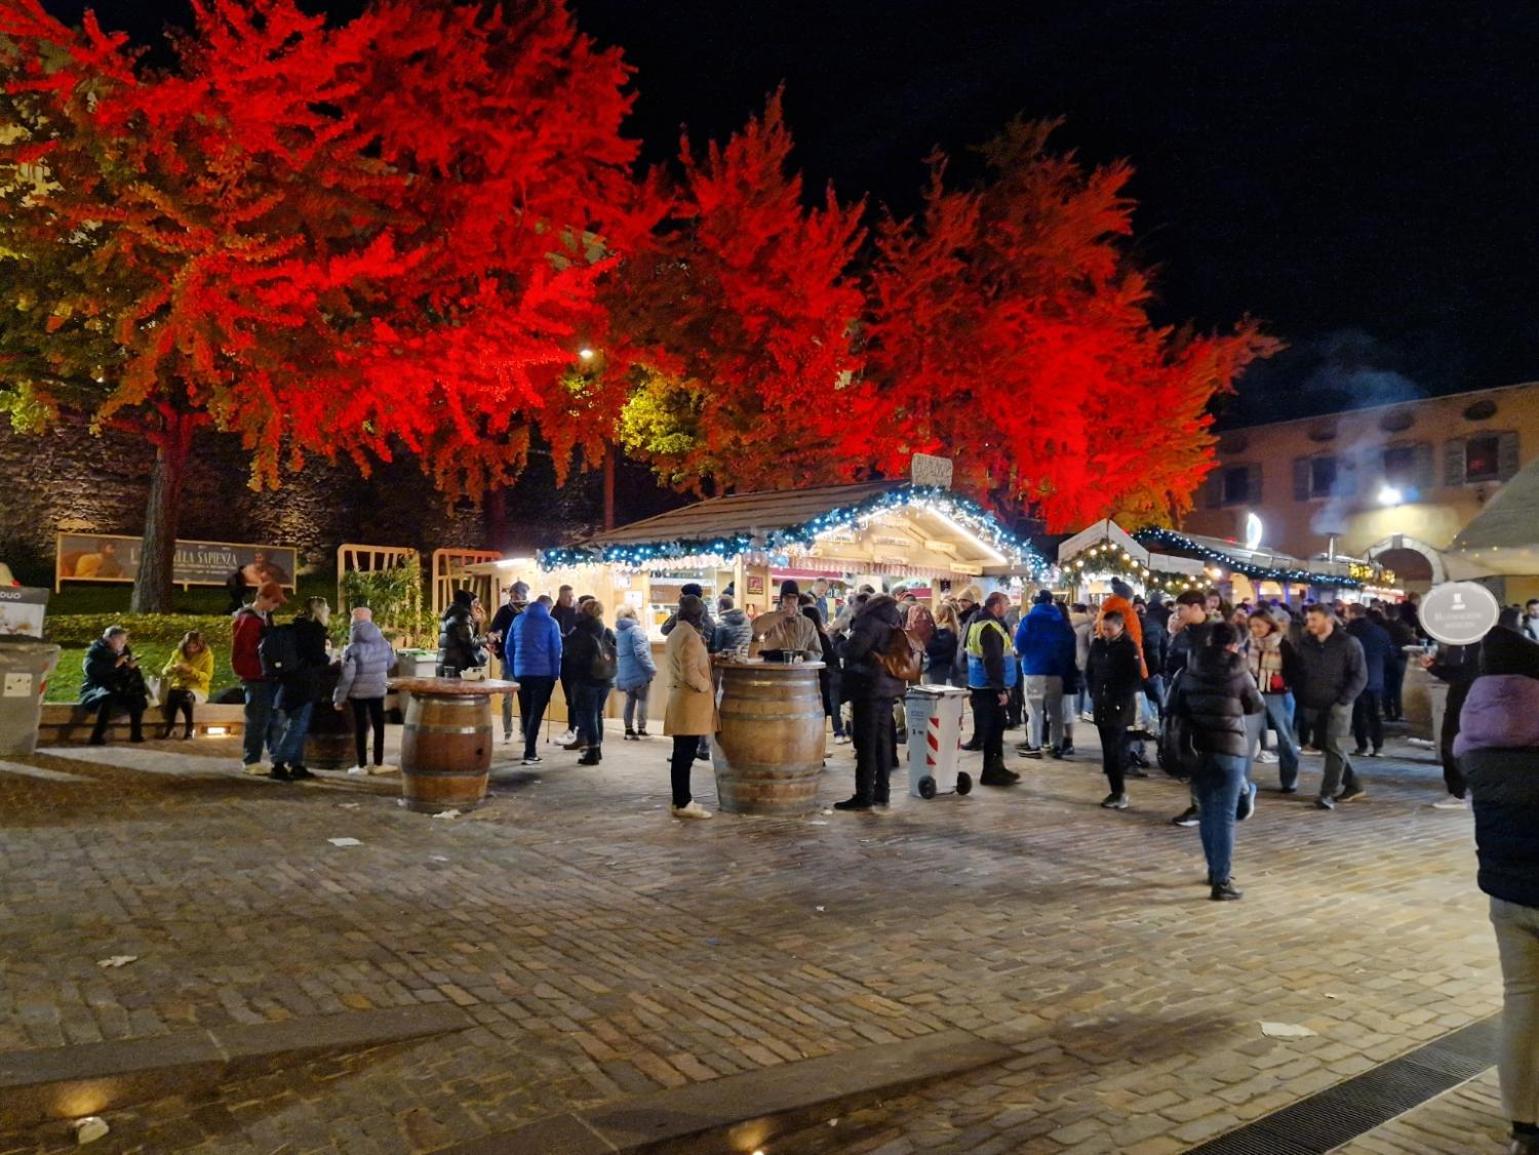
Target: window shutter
1453	462
1253	485
1507	455
1426	470
1301	479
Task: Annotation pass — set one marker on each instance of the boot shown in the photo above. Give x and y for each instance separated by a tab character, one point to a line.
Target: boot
854	802
591	757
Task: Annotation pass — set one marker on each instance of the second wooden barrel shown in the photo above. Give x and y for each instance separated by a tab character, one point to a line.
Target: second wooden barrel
768	754
446	751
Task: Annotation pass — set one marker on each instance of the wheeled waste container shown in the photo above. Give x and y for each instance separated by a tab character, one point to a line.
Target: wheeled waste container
25	664
934	734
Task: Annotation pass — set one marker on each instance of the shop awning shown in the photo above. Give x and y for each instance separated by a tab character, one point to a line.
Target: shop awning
879	526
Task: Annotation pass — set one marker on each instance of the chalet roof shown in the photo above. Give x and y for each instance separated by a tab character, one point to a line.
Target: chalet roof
753	514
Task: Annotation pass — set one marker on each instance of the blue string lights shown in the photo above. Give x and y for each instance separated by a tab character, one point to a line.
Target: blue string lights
726	549
1171	540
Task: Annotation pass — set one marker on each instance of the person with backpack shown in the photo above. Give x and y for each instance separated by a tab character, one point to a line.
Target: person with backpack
262	727
1213	698
593	658
533	652
992	672
366	665
1115	674
635	671
1498	749
296	654
874	686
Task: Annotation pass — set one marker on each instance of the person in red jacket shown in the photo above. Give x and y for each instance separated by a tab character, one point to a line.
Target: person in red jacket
261	720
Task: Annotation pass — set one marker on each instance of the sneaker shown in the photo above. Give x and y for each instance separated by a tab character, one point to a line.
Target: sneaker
630	735
1066	750
357	769
1452	803
1187	817
253	768
591	757
532	760
300	774
693	810
1360	752
1312	751
1265	757
566	738
1114	802
1056	752
1324	803
1287	790
852	804
1027	750
1225	892
1086	716
702	756
574	744
385	768
1376	753
280	773
1351	794
841	739
1247	805
642	733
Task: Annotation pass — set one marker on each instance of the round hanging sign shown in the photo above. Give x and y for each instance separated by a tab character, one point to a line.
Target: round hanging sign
1459	613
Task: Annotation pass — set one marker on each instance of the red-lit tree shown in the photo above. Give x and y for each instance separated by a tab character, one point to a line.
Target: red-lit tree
1010	330
328	239
737	330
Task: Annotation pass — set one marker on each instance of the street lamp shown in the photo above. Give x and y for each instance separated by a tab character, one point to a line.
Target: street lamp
586	353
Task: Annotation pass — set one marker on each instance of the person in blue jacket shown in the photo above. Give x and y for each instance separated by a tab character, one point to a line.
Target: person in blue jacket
636	670
533	653
1046	644
1368	709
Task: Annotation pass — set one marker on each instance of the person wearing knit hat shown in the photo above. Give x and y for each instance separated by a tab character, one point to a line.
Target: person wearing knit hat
787	628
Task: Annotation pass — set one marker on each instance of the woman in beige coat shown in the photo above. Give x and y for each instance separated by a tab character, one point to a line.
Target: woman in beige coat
691	712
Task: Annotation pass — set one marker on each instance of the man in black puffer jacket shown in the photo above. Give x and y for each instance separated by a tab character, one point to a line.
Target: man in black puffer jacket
872	692
1213	697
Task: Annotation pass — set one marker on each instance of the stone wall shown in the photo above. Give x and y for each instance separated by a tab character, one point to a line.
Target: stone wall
71	480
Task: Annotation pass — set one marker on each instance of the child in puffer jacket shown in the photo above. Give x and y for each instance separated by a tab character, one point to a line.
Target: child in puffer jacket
1498	752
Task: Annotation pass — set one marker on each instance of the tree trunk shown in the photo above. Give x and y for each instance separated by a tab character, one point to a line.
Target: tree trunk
495	509
153	585
609	487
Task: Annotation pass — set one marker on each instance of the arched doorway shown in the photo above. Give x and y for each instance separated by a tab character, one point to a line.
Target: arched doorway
1417	565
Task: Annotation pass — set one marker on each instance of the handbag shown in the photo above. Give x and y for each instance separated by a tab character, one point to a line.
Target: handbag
898	657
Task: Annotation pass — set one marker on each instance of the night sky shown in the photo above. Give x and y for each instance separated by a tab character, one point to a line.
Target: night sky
1362	174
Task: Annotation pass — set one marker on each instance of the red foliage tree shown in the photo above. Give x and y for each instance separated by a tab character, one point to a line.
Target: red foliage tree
329	239
735	334
1010	330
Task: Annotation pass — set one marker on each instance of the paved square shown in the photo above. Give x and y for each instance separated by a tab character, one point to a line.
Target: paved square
605	950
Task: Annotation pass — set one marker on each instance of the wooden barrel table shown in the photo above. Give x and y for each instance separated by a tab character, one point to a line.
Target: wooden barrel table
446	748
768	754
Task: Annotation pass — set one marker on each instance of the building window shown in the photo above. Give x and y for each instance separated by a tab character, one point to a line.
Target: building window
1322	476
1483	457
1402	467
1237	485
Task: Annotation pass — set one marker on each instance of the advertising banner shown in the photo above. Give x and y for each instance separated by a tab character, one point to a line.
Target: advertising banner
21	610
102	557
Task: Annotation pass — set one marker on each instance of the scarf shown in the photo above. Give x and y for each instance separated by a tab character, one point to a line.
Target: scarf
1265	661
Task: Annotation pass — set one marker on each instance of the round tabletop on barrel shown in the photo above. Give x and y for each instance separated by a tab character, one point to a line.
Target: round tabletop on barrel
777	667
452	687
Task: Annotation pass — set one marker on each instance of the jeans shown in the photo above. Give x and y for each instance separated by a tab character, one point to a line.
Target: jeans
989	717
636	707
507	702
874	752
264	725
1216	788
1044	705
1368	720
534	691
296	728
1517	941
591	697
369	713
1069	712
1329	726
1114	756
1287	750
684	747
830	689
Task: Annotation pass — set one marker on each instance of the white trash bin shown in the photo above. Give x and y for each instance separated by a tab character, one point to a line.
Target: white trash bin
934	733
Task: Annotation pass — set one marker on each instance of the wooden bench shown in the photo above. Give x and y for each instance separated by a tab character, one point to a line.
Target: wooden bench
69	724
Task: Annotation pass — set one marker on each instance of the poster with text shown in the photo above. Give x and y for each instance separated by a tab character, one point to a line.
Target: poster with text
115	558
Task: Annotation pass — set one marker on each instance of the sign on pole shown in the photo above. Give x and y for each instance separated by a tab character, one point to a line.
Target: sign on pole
1459	613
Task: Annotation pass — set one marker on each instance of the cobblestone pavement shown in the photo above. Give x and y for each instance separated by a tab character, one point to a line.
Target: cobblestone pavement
605	950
